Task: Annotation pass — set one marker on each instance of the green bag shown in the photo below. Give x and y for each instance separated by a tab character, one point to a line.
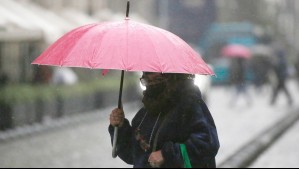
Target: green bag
187	163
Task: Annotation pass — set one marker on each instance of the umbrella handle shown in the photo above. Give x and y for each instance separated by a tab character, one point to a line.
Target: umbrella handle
114	149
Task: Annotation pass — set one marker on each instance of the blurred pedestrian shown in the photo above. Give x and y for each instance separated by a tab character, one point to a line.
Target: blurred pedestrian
174	119
43	75
260	67
238	70
280	69
64	76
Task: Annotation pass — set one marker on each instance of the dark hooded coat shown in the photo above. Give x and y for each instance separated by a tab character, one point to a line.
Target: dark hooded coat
188	122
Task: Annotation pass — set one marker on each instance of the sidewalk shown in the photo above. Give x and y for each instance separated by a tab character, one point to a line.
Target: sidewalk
83	142
87	144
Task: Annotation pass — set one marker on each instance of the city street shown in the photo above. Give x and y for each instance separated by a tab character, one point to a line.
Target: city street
239	125
87	144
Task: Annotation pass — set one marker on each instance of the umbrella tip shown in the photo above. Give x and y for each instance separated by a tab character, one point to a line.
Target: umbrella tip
128	8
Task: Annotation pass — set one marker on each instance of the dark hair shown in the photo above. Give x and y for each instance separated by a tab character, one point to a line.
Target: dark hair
179	76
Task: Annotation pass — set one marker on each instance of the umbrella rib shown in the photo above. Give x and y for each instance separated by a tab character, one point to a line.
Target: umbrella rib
149	37
127	46
99	53
163	33
87	29
180	49
175	47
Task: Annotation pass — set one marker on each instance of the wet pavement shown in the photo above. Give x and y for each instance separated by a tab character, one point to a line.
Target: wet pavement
83	144
87	144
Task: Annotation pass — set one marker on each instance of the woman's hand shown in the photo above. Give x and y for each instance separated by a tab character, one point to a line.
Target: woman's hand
156	159
117	117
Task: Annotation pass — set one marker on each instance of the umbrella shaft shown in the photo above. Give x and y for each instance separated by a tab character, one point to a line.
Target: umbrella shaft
114	149
128	9
121	89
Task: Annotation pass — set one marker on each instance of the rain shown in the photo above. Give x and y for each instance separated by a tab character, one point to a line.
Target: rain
58	116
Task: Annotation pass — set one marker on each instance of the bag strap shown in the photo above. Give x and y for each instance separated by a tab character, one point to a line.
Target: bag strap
187	163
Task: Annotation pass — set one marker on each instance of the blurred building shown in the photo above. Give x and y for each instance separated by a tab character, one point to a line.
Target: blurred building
18	41
279	18
27	27
16	47
187	19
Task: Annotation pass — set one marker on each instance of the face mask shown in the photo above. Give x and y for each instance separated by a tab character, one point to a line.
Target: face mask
154	91
153	99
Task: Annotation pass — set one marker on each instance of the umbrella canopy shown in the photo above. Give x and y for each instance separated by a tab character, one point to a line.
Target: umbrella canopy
124	45
236	51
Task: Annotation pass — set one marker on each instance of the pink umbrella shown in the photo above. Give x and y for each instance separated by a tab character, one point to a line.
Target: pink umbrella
124	45
127	46
236	51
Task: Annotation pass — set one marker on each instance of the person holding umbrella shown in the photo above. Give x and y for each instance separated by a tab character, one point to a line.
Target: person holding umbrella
173	129
239	56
